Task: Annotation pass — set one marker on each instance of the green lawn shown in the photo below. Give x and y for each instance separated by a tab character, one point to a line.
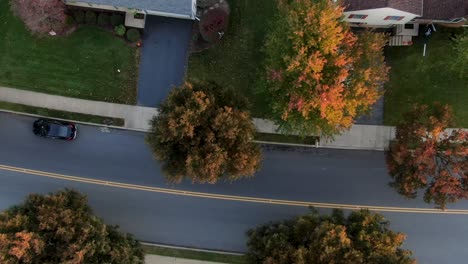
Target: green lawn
418	79
62	114
83	64
197	255
237	60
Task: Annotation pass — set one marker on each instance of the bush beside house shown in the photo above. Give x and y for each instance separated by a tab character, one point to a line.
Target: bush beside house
79	16
103	20
90	18
133	35
116	19
120	30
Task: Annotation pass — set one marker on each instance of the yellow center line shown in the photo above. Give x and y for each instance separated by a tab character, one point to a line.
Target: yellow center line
232	197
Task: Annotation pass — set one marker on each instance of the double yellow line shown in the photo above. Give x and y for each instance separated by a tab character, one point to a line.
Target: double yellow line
232	197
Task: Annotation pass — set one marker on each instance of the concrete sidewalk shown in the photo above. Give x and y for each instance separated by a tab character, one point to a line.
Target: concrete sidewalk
156	259
137	117
369	137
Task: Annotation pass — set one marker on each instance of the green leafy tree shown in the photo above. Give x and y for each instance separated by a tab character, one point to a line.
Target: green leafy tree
60	228
320	75
203	133
362	237
460	60
426	156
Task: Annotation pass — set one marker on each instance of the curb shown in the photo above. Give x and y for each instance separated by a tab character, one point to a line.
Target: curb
286	144
352	148
193	249
74	121
317	146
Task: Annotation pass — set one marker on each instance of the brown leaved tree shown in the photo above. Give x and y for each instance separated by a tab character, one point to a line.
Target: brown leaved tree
41	16
60	228
426	156
202	132
320	75
361	238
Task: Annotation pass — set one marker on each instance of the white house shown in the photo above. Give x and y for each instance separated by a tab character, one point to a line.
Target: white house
183	9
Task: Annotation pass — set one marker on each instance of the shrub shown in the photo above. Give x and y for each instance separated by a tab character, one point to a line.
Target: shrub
120	30
90	18
70	20
133	35
79	16
207	3
103	20
116	20
41	16
213	21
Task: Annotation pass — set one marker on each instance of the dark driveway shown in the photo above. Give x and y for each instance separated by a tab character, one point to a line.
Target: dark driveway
375	116
163	58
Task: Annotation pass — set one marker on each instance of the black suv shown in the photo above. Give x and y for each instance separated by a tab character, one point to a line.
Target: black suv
54	129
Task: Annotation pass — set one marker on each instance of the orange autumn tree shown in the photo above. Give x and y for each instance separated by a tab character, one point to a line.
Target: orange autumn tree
360	238
425	156
320	75
204	133
61	228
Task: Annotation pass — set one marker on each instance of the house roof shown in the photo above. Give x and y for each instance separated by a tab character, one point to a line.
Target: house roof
427	9
410	6
444	10
183	8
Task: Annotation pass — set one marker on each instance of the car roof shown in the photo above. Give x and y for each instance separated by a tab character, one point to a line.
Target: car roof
59	130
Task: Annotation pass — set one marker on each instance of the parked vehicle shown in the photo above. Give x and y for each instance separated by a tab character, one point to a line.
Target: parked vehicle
55	129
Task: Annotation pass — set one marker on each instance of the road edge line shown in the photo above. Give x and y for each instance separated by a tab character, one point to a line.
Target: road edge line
192	249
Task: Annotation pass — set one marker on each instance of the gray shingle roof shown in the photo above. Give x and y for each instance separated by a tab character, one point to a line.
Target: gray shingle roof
433	9
178	7
410	6
445	10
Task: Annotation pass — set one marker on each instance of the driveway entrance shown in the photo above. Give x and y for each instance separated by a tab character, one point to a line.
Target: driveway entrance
163	58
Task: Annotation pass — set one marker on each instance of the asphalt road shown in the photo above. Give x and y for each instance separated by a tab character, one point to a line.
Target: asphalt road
335	176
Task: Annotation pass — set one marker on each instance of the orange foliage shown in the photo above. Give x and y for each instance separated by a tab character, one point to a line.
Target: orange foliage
202	134
329	74
425	156
59	228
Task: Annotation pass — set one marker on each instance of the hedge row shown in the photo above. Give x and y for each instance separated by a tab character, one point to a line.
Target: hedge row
93	18
105	20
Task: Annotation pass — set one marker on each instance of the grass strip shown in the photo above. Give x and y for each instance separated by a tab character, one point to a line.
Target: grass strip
196	255
280	138
62	114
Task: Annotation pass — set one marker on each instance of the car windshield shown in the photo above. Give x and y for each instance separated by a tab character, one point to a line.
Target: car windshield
59	130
